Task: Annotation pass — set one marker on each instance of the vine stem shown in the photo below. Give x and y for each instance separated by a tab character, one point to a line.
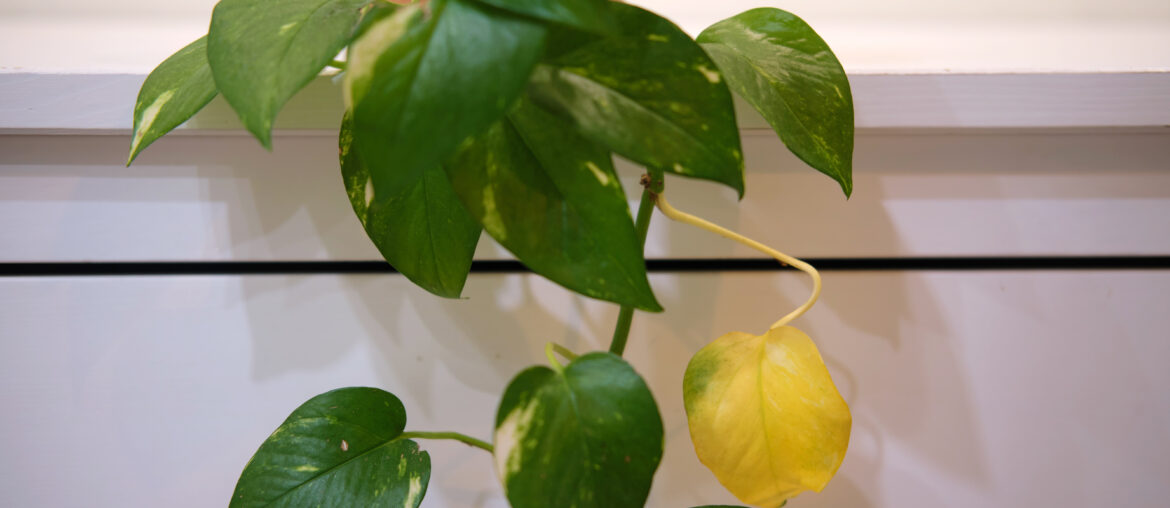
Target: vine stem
463	438
621	332
686	218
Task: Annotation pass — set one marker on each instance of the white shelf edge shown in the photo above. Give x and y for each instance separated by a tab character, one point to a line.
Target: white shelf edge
101	104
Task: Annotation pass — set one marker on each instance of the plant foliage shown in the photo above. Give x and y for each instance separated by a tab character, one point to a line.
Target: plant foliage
503	116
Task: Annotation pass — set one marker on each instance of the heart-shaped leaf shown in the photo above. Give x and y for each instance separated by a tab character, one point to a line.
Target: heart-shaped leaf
765	416
649	93
776	62
423	231
587	435
172	93
422	81
553	199
262	51
589	15
340	449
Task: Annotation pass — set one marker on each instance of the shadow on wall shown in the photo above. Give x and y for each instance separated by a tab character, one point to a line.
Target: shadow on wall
907	391
910	392
501	326
906	394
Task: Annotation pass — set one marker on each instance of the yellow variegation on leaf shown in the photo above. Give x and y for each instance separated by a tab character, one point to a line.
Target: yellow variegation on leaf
765	416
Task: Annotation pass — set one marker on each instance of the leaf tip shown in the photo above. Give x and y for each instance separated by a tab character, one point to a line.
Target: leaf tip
651	305
265	140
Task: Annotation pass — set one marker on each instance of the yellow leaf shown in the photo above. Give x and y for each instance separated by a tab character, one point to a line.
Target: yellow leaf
765	416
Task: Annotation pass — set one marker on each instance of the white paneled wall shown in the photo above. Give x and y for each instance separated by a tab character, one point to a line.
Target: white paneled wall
1020	388
968	389
958	193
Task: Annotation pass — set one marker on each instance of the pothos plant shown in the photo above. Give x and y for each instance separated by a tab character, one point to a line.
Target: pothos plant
503	116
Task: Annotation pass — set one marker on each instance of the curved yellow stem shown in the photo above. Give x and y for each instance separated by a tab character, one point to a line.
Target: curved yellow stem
686	218
552	349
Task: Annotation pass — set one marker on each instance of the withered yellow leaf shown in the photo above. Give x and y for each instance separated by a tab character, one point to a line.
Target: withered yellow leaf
765	416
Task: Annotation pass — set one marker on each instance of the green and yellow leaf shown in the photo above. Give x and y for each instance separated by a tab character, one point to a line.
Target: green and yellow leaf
587	435
776	62
423	230
553	199
765	416
423	80
262	51
340	449
589	15
172	93
648	93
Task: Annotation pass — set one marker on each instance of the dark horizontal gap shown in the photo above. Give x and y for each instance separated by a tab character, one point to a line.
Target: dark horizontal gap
653	265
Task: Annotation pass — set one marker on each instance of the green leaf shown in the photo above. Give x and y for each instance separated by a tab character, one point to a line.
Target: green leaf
787	72
589	15
651	94
420	83
172	93
423	231
262	51
340	449
588	435
554	200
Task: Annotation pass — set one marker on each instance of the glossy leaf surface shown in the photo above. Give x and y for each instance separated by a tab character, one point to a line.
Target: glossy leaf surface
420	82
263	51
172	93
339	449
589	15
554	200
765	416
423	231
788	73
587	436
649	93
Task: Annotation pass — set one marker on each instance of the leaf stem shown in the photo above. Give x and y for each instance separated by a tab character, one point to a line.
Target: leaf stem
551	349
337	64
686	218
463	438
564	351
652	184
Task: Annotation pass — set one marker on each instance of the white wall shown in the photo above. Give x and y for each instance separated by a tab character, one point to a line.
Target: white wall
891	36
1018	388
1012	389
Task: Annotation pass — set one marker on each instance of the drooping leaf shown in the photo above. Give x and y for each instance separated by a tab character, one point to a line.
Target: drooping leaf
172	93
554	200
423	231
765	416
587	436
788	73
420	82
340	449
649	93
589	15
262	51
